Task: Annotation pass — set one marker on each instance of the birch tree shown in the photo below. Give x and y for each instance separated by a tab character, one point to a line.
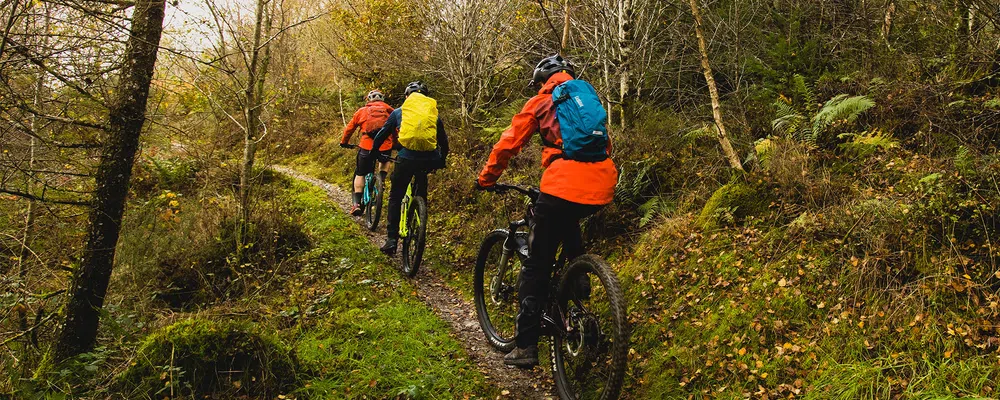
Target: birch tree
727	148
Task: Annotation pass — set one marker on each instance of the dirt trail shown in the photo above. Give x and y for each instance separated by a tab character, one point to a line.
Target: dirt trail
460	314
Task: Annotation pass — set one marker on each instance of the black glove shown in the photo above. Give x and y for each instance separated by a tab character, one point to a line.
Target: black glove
347	145
442	163
478	186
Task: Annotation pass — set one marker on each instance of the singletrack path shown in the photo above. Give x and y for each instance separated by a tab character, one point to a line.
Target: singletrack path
460	314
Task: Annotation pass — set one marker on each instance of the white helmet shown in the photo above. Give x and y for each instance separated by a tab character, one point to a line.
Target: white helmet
375	95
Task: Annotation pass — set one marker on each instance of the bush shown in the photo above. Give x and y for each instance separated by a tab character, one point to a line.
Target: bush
733	202
152	175
205	358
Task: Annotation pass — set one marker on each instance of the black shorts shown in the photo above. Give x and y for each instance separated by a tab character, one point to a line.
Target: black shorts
362	168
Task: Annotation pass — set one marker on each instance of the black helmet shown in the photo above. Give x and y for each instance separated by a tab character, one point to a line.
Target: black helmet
417	86
549	66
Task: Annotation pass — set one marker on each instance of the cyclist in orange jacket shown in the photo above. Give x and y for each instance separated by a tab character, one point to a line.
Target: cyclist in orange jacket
571	190
369	119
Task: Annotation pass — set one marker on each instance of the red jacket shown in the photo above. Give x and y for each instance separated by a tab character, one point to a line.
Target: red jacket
591	183
369	125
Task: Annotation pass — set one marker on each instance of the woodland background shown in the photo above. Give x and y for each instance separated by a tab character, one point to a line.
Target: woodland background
842	250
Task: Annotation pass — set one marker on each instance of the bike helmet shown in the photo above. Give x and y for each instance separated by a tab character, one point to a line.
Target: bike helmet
549	66
417	86
375	95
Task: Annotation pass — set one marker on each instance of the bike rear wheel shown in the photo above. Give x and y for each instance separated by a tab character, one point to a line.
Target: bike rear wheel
373	210
413	243
495	290
589	359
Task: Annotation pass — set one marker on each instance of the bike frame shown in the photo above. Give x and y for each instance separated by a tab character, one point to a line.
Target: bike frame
404	229
369	182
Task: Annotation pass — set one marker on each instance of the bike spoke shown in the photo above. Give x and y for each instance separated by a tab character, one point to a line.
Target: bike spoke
587	352
501	291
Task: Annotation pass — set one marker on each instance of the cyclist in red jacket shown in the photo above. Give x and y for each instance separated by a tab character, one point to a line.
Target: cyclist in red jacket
571	190
369	119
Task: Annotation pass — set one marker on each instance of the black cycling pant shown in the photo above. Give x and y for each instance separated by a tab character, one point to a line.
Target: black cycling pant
556	222
404	171
362	167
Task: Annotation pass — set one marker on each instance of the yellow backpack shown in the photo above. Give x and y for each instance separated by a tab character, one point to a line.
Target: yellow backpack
418	130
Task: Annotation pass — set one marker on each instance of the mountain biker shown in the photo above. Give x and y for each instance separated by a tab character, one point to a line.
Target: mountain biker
423	148
571	190
369	119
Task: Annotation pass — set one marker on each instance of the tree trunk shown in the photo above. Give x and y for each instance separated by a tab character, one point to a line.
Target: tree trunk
727	148
565	33
625	37
890	12
254	93
126	115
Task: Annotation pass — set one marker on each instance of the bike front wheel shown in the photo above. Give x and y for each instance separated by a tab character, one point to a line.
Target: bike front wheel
589	359
413	243
495	290
373	210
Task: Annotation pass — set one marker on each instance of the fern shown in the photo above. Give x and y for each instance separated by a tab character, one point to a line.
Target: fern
705	132
805	91
965	161
653	208
810	125
764	149
841	108
790	123
867	143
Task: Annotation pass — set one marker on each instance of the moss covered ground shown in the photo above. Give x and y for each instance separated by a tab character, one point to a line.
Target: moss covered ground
818	276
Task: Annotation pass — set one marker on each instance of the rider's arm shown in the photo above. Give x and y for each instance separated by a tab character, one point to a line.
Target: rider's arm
511	141
390	127
352	126
442	139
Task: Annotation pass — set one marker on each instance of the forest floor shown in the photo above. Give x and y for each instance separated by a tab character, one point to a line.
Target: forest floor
455	310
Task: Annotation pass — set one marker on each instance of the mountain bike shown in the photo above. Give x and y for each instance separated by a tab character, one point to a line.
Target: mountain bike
585	316
413	228
371	197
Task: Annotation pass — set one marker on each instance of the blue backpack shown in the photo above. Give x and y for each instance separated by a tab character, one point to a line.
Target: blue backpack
582	121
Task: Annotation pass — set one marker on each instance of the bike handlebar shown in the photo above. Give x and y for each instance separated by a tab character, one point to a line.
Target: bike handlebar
529	191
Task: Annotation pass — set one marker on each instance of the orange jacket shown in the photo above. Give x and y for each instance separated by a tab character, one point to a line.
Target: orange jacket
360	119
591	183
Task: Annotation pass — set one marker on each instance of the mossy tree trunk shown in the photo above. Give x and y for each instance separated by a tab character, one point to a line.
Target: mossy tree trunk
727	148
127	112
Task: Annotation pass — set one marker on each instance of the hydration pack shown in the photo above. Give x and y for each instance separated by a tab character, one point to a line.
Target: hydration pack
582	121
377	115
418	128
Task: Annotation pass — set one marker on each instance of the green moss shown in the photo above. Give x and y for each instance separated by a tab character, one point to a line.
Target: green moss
364	335
733	202
201	357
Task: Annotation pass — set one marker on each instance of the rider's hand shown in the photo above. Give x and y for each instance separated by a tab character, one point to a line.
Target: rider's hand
347	145
478	186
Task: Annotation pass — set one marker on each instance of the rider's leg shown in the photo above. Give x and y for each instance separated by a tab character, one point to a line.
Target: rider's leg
573	242
572	235
420	178
359	185
360	170
546	233
401	176
384	167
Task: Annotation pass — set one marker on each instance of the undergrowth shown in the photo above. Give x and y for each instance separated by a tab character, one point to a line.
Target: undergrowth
856	271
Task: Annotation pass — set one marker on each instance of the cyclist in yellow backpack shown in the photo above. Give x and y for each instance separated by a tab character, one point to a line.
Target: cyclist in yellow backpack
416	127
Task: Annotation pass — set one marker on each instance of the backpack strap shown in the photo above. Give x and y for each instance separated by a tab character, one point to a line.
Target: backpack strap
549	144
